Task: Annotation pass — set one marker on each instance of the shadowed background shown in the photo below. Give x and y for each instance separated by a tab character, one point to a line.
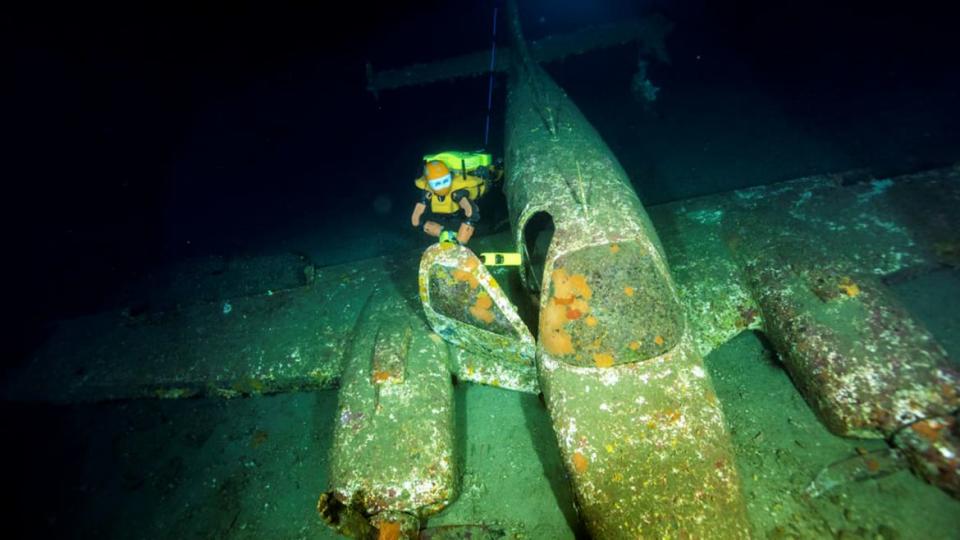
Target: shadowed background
148	133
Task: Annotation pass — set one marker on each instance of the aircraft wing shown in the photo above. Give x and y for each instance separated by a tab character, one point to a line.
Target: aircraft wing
279	324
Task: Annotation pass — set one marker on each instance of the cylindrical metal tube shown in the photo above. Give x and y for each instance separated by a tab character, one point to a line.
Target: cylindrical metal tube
861	361
392	461
636	419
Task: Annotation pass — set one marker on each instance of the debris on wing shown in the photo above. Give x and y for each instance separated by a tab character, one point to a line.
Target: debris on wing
860	467
932	446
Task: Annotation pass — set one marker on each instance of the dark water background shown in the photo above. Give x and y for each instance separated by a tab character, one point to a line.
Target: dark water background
151	132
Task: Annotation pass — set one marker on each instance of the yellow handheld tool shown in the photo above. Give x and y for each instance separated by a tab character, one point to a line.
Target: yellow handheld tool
448	239
500	259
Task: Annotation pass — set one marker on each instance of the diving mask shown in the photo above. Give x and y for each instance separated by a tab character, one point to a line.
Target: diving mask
441	183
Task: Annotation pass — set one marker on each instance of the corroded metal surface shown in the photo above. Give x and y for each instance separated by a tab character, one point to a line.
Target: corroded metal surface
394	436
710	285
908	226
813	254
609	305
273	341
873	225
466	306
634	412
933	447
646	447
861	361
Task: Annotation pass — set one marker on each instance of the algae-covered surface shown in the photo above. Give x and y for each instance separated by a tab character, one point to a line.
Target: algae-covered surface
253	467
782	448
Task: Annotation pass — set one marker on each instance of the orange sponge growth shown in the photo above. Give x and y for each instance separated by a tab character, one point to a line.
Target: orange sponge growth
566	286
555	339
568	304
848	287
465	276
603	359
389	530
929	429
481	308
580	462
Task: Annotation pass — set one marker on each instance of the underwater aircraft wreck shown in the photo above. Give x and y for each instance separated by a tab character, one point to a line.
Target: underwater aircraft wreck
627	303
634	413
612	350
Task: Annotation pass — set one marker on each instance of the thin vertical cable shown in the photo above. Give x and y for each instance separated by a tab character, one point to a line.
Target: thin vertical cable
493	60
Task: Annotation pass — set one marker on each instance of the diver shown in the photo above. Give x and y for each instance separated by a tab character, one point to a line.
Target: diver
452	182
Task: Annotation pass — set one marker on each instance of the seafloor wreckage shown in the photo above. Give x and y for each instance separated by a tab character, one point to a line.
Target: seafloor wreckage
614	339
613	348
614	352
